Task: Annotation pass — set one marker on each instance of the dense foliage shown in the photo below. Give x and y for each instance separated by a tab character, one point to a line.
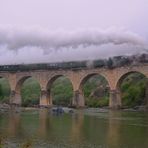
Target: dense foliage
4	91
30	92
93	99
133	90
62	92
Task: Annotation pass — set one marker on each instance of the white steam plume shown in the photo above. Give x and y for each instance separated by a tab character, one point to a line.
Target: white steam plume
14	39
38	45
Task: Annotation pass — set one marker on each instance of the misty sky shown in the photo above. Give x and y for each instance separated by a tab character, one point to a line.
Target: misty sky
69	15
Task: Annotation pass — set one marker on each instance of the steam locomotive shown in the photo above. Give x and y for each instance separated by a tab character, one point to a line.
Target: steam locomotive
110	63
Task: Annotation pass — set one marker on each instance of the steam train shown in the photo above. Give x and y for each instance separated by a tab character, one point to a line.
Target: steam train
110	63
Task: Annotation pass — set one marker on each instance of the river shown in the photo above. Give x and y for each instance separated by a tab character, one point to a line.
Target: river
82	129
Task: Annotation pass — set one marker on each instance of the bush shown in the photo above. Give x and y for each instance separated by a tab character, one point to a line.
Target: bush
91	102
133	90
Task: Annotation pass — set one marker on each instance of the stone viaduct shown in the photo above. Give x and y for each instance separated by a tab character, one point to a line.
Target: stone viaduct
77	78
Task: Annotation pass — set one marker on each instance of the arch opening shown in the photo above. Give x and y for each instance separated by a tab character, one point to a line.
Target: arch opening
29	91
60	91
4	90
133	89
95	90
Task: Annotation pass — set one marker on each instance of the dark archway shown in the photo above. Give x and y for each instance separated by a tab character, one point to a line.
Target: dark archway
95	90
133	89
60	91
4	90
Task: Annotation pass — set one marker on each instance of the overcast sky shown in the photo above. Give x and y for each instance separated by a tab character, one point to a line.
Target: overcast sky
71	15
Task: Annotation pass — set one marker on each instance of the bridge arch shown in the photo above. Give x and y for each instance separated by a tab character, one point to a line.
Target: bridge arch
84	79
16	97
121	78
124	75
50	84
89	75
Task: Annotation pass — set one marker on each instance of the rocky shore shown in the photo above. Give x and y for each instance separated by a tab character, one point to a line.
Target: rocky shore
4	107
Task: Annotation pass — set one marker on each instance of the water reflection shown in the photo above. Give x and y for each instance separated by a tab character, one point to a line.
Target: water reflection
114	125
76	127
44	123
14	124
110	129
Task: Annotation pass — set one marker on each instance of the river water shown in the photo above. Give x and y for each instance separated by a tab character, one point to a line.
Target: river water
83	129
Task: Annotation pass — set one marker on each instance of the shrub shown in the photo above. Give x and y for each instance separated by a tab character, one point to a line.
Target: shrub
91	102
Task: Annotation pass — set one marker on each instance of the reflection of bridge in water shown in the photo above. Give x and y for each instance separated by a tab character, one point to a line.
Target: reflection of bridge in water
77	78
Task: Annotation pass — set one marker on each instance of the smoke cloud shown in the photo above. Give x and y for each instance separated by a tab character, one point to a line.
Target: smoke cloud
43	45
15	39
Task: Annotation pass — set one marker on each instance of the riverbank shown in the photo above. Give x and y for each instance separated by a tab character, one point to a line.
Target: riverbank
4	108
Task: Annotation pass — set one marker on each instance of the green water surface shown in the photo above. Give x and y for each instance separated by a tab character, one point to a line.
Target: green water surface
41	129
